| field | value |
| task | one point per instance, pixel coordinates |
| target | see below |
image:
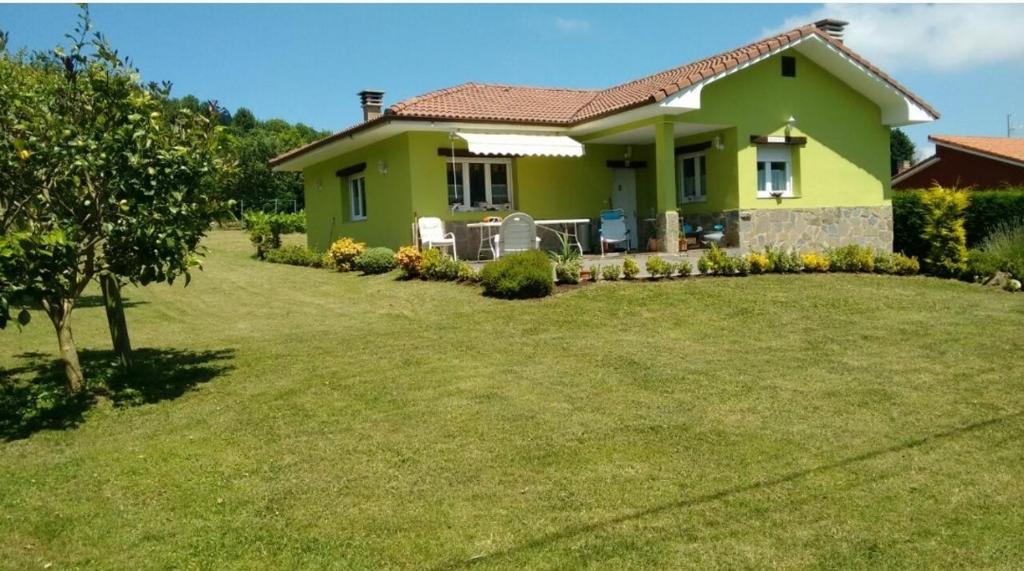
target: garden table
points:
(568, 230)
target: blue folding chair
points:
(613, 229)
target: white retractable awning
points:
(522, 145)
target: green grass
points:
(294, 417)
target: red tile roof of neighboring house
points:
(1002, 147)
(567, 107)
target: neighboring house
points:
(975, 162)
(786, 140)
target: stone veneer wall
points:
(804, 229)
(817, 228)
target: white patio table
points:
(569, 230)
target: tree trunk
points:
(59, 315)
(115, 319)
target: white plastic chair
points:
(432, 234)
(613, 229)
(518, 233)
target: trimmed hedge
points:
(518, 276)
(988, 210)
(991, 209)
(295, 256)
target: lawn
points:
(291, 417)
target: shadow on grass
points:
(685, 503)
(33, 397)
(84, 301)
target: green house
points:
(784, 141)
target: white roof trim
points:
(522, 145)
(901, 176)
(396, 126)
(897, 109)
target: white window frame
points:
(702, 193)
(357, 185)
(463, 163)
(769, 154)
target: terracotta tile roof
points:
(1002, 147)
(568, 107)
(502, 103)
(657, 87)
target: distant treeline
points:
(253, 142)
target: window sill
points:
(694, 200)
(767, 196)
(363, 219)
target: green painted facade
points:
(844, 163)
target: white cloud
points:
(571, 25)
(943, 37)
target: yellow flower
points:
(24, 154)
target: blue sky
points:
(306, 62)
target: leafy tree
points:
(244, 121)
(901, 149)
(253, 143)
(100, 181)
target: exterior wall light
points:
(717, 143)
(382, 167)
(790, 123)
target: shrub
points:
(658, 268)
(611, 273)
(905, 265)
(713, 260)
(851, 258)
(376, 261)
(265, 229)
(741, 264)
(262, 233)
(344, 253)
(409, 260)
(943, 229)
(1012, 285)
(295, 256)
(595, 271)
(908, 223)
(568, 271)
(467, 274)
(517, 276)
(684, 268)
(758, 263)
(884, 263)
(896, 264)
(782, 261)
(438, 266)
(726, 265)
(814, 262)
(991, 209)
(982, 265)
(630, 269)
(1001, 251)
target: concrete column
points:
(665, 187)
